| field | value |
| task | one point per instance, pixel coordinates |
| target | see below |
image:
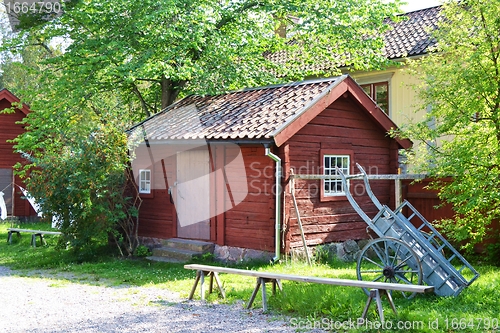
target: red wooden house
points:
(206, 165)
(9, 129)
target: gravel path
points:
(30, 304)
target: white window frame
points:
(329, 169)
(144, 182)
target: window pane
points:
(335, 187)
(382, 96)
(144, 181)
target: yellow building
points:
(392, 88)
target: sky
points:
(420, 4)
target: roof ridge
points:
(291, 84)
(418, 10)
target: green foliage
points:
(119, 61)
(142, 251)
(460, 134)
(205, 258)
(83, 184)
(151, 51)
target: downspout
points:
(277, 213)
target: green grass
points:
(310, 305)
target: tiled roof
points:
(247, 114)
(408, 37)
(411, 36)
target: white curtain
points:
(3, 207)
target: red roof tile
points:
(247, 114)
(265, 113)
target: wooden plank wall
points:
(425, 200)
(157, 213)
(342, 126)
(250, 224)
(8, 131)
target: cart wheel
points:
(389, 260)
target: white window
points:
(145, 181)
(334, 187)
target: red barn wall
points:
(250, 224)
(8, 131)
(156, 218)
(341, 127)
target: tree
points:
(124, 60)
(461, 131)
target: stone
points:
(351, 246)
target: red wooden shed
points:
(9, 129)
(206, 165)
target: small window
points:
(379, 92)
(334, 187)
(145, 181)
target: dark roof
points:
(408, 37)
(411, 36)
(258, 113)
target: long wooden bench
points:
(34, 234)
(376, 288)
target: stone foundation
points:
(151, 242)
(347, 251)
(221, 253)
(238, 254)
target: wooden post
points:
(399, 191)
(292, 189)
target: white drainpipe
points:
(277, 216)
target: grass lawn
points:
(476, 309)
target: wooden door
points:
(192, 194)
(6, 179)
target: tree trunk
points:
(170, 90)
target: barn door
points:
(192, 200)
(6, 187)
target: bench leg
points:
(219, 284)
(211, 284)
(202, 285)
(277, 282)
(254, 293)
(42, 240)
(33, 240)
(391, 302)
(262, 282)
(264, 295)
(193, 290)
(9, 237)
(375, 294)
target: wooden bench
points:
(34, 234)
(376, 288)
